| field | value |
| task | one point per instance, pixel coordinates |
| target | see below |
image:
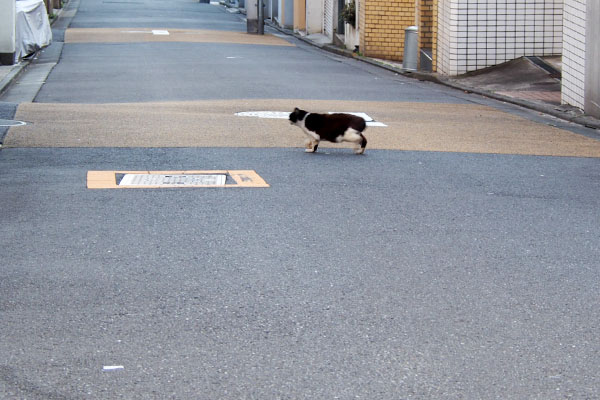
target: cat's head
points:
(297, 115)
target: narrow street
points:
(456, 259)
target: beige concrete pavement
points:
(411, 126)
(133, 35)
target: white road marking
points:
(264, 114)
(285, 115)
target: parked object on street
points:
(337, 128)
(33, 30)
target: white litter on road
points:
(10, 122)
(112, 367)
(159, 32)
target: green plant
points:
(348, 13)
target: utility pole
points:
(261, 17)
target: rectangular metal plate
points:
(173, 179)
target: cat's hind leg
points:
(354, 136)
(360, 149)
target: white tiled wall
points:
(474, 34)
(573, 67)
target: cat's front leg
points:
(311, 145)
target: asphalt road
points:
(425, 269)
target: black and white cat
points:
(335, 128)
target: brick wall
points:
(382, 24)
(434, 44)
(427, 22)
(574, 46)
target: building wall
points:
(314, 16)
(382, 24)
(286, 13)
(434, 43)
(7, 32)
(474, 34)
(328, 12)
(592, 65)
(573, 65)
(425, 24)
(426, 20)
(299, 15)
(447, 57)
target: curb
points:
(555, 111)
(12, 76)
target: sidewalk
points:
(9, 73)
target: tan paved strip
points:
(411, 126)
(132, 35)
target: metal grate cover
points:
(172, 180)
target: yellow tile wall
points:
(382, 24)
(427, 19)
(434, 33)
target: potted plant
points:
(348, 13)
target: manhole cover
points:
(10, 122)
(172, 180)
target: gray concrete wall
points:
(7, 32)
(289, 13)
(592, 59)
(285, 13)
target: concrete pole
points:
(261, 17)
(255, 20)
(592, 59)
